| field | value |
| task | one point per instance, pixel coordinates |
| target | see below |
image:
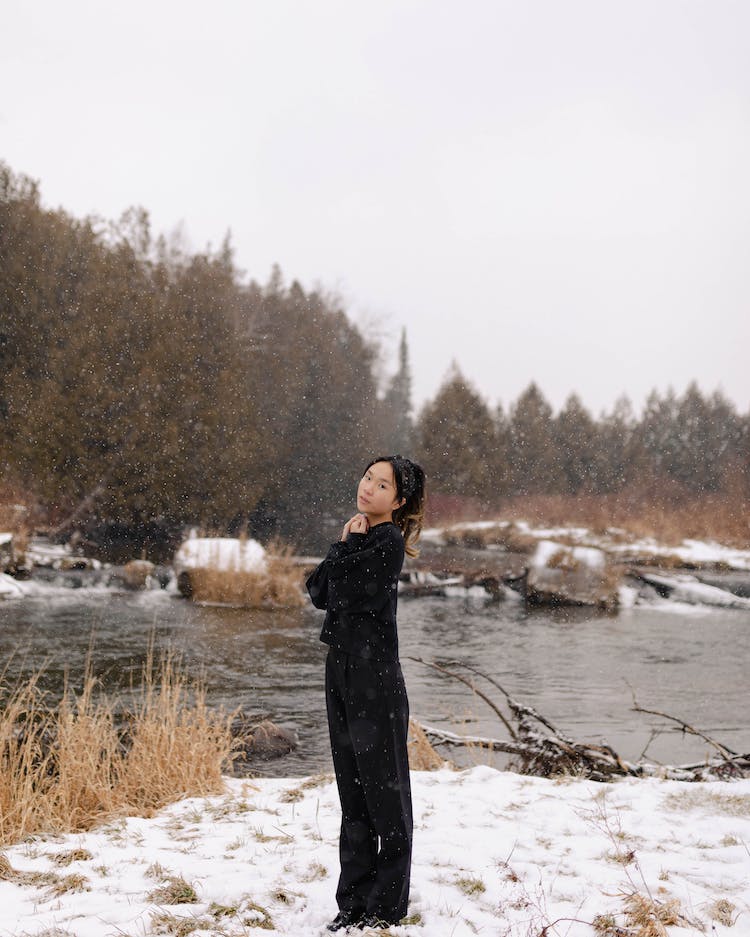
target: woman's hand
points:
(359, 524)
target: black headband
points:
(408, 476)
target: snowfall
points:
(495, 853)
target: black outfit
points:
(368, 719)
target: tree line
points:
(143, 385)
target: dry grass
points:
(279, 586)
(18, 515)
(69, 768)
(506, 535)
(663, 511)
(651, 918)
(723, 912)
(422, 756)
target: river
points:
(575, 665)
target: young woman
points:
(368, 710)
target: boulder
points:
(261, 740)
(559, 574)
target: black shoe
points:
(345, 918)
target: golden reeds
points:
(64, 769)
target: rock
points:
(262, 740)
(136, 573)
(66, 563)
(559, 574)
(682, 587)
(7, 553)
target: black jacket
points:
(357, 584)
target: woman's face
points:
(376, 493)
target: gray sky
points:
(556, 191)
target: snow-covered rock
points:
(220, 553)
(562, 574)
(9, 588)
(682, 587)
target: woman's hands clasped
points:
(359, 524)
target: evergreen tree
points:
(397, 415)
(576, 441)
(532, 445)
(457, 441)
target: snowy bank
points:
(494, 853)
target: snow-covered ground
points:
(494, 853)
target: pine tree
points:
(397, 411)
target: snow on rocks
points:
(682, 587)
(494, 853)
(10, 588)
(561, 573)
(221, 553)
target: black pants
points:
(368, 719)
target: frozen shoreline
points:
(494, 853)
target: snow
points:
(9, 588)
(5, 538)
(222, 553)
(494, 853)
(586, 556)
(686, 588)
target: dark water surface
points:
(576, 666)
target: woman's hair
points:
(410, 485)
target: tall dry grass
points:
(641, 513)
(67, 768)
(278, 586)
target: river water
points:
(575, 666)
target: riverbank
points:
(494, 853)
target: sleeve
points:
(361, 579)
(317, 581)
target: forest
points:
(145, 387)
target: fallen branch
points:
(550, 752)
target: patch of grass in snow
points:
(222, 910)
(315, 872)
(471, 885)
(229, 807)
(605, 925)
(175, 890)
(254, 915)
(292, 795)
(69, 883)
(317, 780)
(157, 871)
(722, 911)
(263, 837)
(51, 932)
(649, 916)
(236, 844)
(162, 922)
(71, 855)
(622, 856)
(696, 798)
(102, 870)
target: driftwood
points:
(541, 749)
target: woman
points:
(366, 702)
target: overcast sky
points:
(554, 191)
